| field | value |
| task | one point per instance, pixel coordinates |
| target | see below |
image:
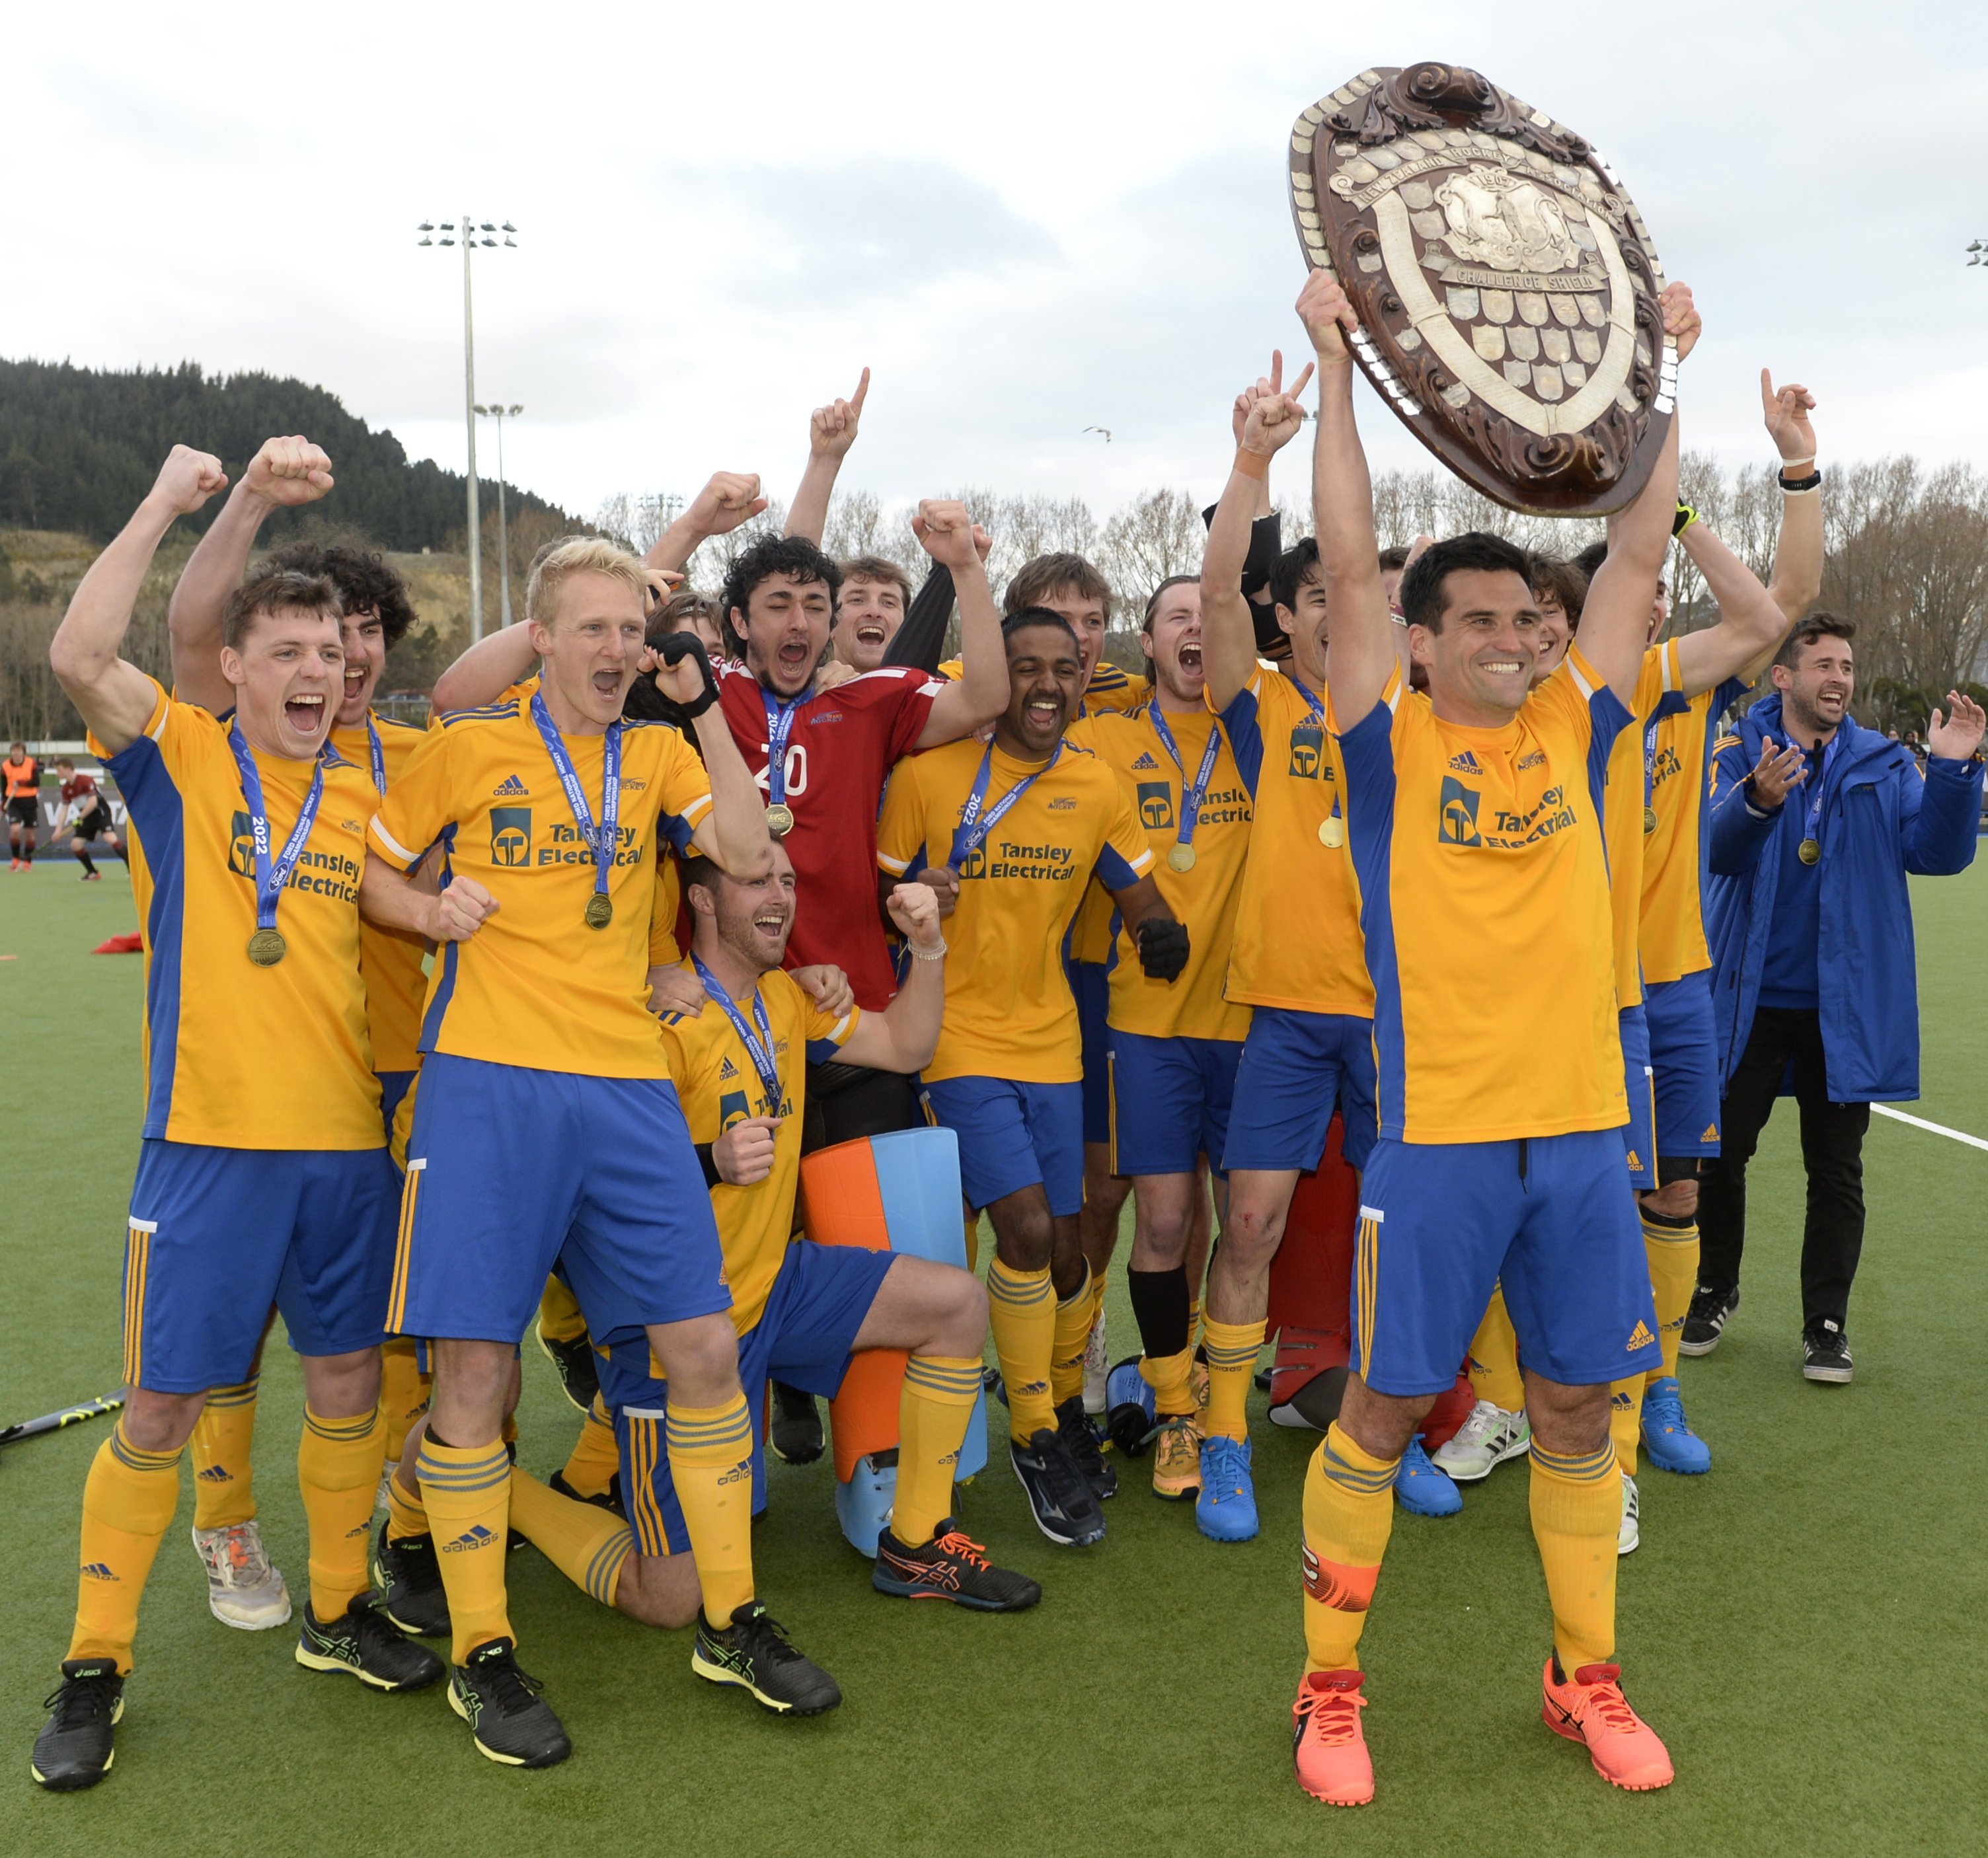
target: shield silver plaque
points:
(1506, 285)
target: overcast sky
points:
(1027, 219)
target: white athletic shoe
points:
(1630, 1536)
(1483, 1442)
(1097, 1366)
(242, 1589)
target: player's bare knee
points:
(342, 1386)
(1570, 1422)
(1381, 1424)
(153, 1421)
(700, 1357)
(961, 1327)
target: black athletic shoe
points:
(755, 1653)
(1706, 1317)
(368, 1644)
(949, 1567)
(609, 1499)
(408, 1577)
(1080, 1439)
(74, 1750)
(1060, 1499)
(1825, 1353)
(579, 1373)
(796, 1425)
(508, 1721)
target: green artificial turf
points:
(1805, 1625)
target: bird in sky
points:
(1105, 430)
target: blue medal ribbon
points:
(1190, 797)
(759, 1047)
(972, 832)
(779, 728)
(379, 757)
(601, 841)
(272, 874)
(1813, 833)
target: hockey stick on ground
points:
(68, 1416)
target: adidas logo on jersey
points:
(1635, 1162)
(511, 787)
(1466, 763)
(470, 1538)
(727, 1070)
(1535, 759)
(1145, 760)
(1640, 1337)
(215, 1474)
(1711, 1132)
(96, 1570)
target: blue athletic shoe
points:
(1225, 1511)
(1667, 1434)
(1130, 1414)
(1422, 1488)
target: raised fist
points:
(187, 479)
(288, 472)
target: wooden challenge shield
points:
(1505, 285)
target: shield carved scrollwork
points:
(1506, 284)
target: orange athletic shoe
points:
(1626, 1750)
(1328, 1748)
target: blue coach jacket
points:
(1880, 819)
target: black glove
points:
(672, 648)
(1162, 948)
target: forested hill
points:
(79, 447)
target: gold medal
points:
(779, 819)
(1649, 819)
(599, 911)
(1332, 832)
(266, 948)
(1809, 851)
(1181, 858)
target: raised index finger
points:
(862, 389)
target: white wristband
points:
(928, 955)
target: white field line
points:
(1938, 1129)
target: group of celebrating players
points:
(532, 1015)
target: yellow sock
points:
(1494, 1358)
(1672, 1252)
(1349, 1511)
(1022, 1304)
(224, 1480)
(587, 1543)
(1170, 1377)
(595, 1457)
(1232, 1361)
(711, 1455)
(403, 1392)
(560, 1319)
(406, 1513)
(1625, 1414)
(933, 1410)
(972, 1223)
(128, 1500)
(338, 1471)
(1577, 1505)
(1100, 1281)
(1067, 1340)
(467, 1492)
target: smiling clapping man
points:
(1008, 835)
(252, 837)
